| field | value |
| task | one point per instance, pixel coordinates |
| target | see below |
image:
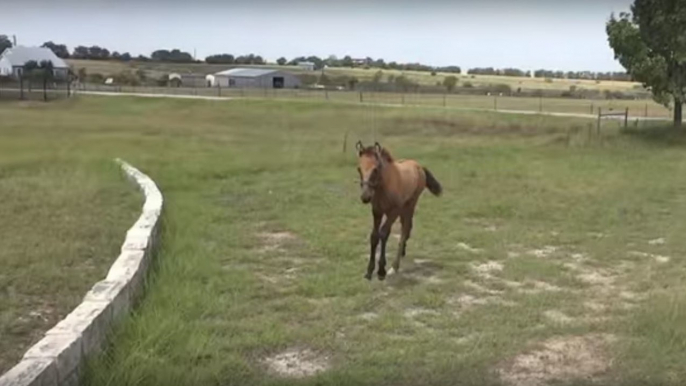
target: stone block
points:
(64, 349)
(135, 243)
(91, 320)
(130, 267)
(113, 292)
(31, 372)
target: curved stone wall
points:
(58, 358)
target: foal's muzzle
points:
(367, 192)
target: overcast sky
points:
(550, 34)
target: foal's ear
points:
(359, 146)
(377, 147)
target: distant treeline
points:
(551, 74)
(178, 56)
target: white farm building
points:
(13, 59)
(255, 78)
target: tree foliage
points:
(173, 56)
(650, 42)
(5, 43)
(450, 82)
(92, 53)
(60, 50)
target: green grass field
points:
(554, 256)
(64, 217)
(156, 70)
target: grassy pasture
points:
(552, 256)
(63, 220)
(156, 70)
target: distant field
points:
(156, 70)
(637, 108)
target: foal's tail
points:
(432, 183)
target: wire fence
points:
(34, 90)
(636, 108)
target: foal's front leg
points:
(374, 242)
(385, 232)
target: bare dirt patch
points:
(558, 317)
(536, 286)
(468, 248)
(369, 316)
(560, 359)
(544, 251)
(658, 241)
(658, 258)
(598, 278)
(487, 267)
(275, 241)
(297, 363)
(479, 288)
(412, 312)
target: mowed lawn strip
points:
(553, 256)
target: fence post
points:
(626, 117)
(645, 113)
(444, 96)
(219, 89)
(495, 103)
(361, 99)
(540, 104)
(326, 94)
(600, 111)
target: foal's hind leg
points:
(406, 222)
(385, 233)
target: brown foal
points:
(393, 188)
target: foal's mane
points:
(385, 154)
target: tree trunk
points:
(45, 89)
(678, 104)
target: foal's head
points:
(371, 161)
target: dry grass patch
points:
(560, 359)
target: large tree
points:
(60, 50)
(650, 42)
(5, 43)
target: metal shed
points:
(255, 78)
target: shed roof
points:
(19, 55)
(246, 72)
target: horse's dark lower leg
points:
(382, 258)
(407, 236)
(406, 223)
(374, 242)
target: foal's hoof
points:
(382, 275)
(368, 276)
